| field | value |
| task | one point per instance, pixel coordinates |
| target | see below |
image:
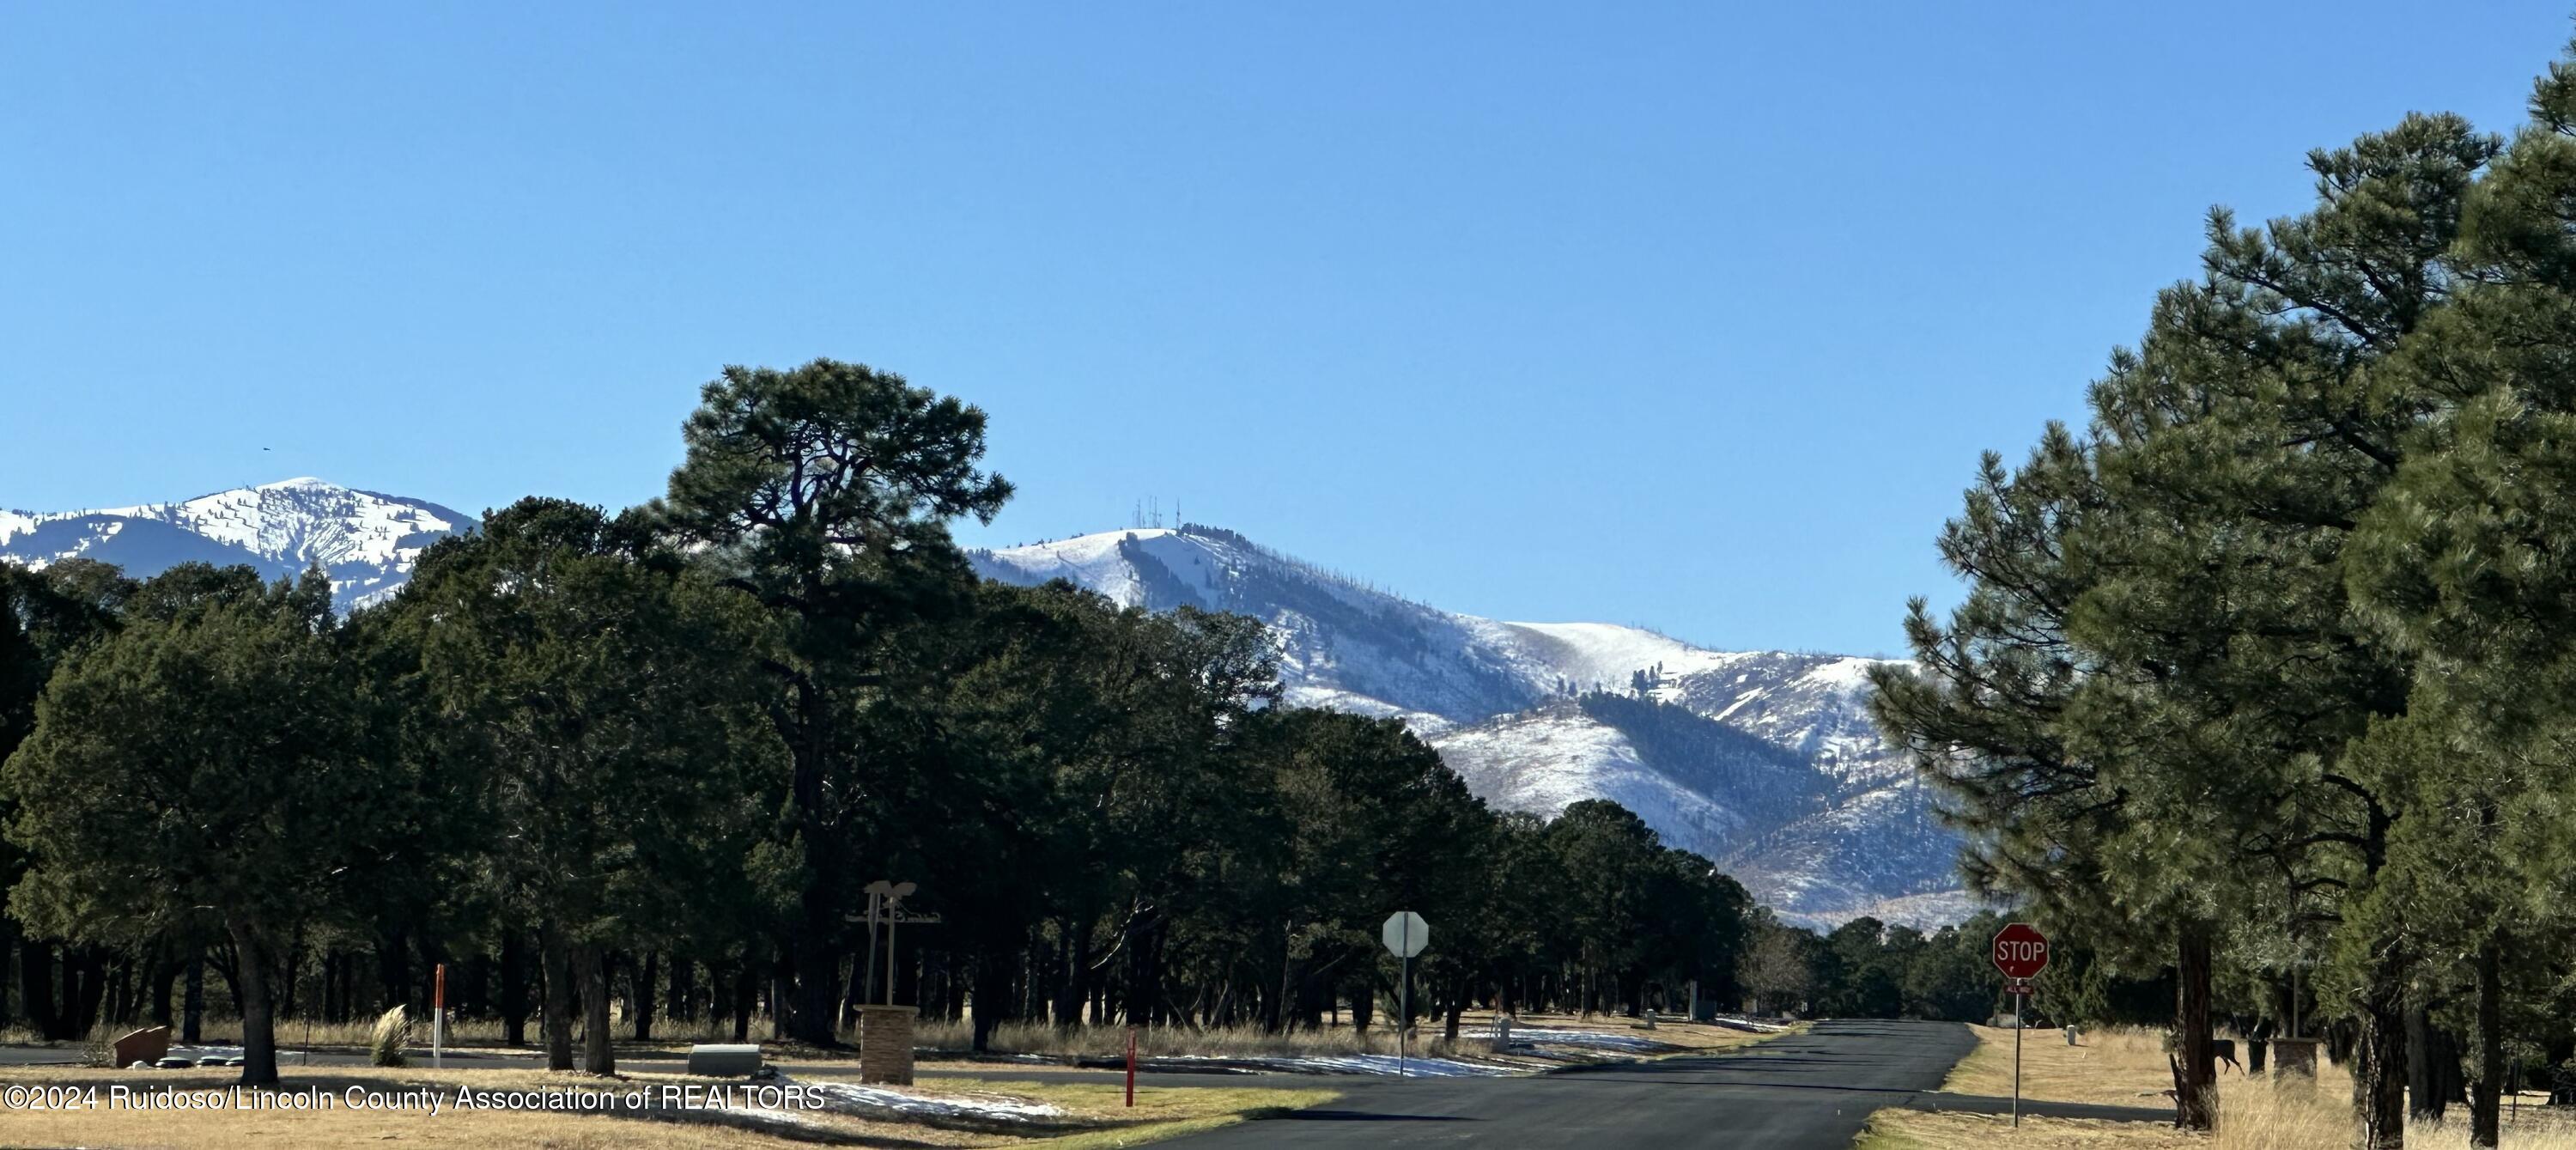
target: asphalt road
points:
(1810, 1092)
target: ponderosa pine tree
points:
(2462, 564)
(811, 486)
(1984, 713)
(2240, 446)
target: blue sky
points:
(1694, 316)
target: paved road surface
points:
(1806, 1092)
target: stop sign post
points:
(1405, 935)
(2020, 952)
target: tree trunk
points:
(2486, 1093)
(992, 991)
(559, 995)
(2196, 1074)
(164, 972)
(598, 1045)
(818, 919)
(680, 1006)
(2379, 1072)
(645, 976)
(259, 1024)
(36, 987)
(514, 986)
(2425, 1098)
(193, 1008)
(742, 991)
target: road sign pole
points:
(2019, 952)
(2021, 1022)
(1405, 934)
(1403, 1011)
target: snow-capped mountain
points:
(1765, 761)
(364, 541)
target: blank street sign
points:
(1405, 934)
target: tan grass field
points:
(1158, 1113)
(2127, 1068)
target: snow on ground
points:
(1745, 1022)
(1091, 561)
(1386, 1064)
(871, 1100)
(219, 1054)
(1543, 761)
(1605, 654)
(1636, 1043)
(303, 519)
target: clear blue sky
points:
(1691, 315)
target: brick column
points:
(885, 1044)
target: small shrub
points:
(392, 1035)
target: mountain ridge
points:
(1763, 761)
(364, 541)
(1502, 701)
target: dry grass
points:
(2127, 1068)
(1158, 1113)
(2119, 1067)
(392, 1036)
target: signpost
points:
(1405, 935)
(2020, 952)
(888, 893)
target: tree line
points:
(654, 756)
(2261, 680)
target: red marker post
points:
(1131, 1066)
(438, 1018)
(2020, 952)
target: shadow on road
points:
(1363, 1116)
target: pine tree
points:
(825, 492)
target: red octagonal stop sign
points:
(2021, 951)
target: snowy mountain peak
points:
(1764, 760)
(366, 542)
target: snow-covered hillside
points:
(364, 541)
(1763, 760)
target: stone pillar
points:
(885, 1044)
(2295, 1058)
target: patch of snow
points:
(1594, 1039)
(1545, 761)
(872, 1099)
(1385, 1064)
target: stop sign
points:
(2021, 951)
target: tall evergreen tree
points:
(824, 492)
